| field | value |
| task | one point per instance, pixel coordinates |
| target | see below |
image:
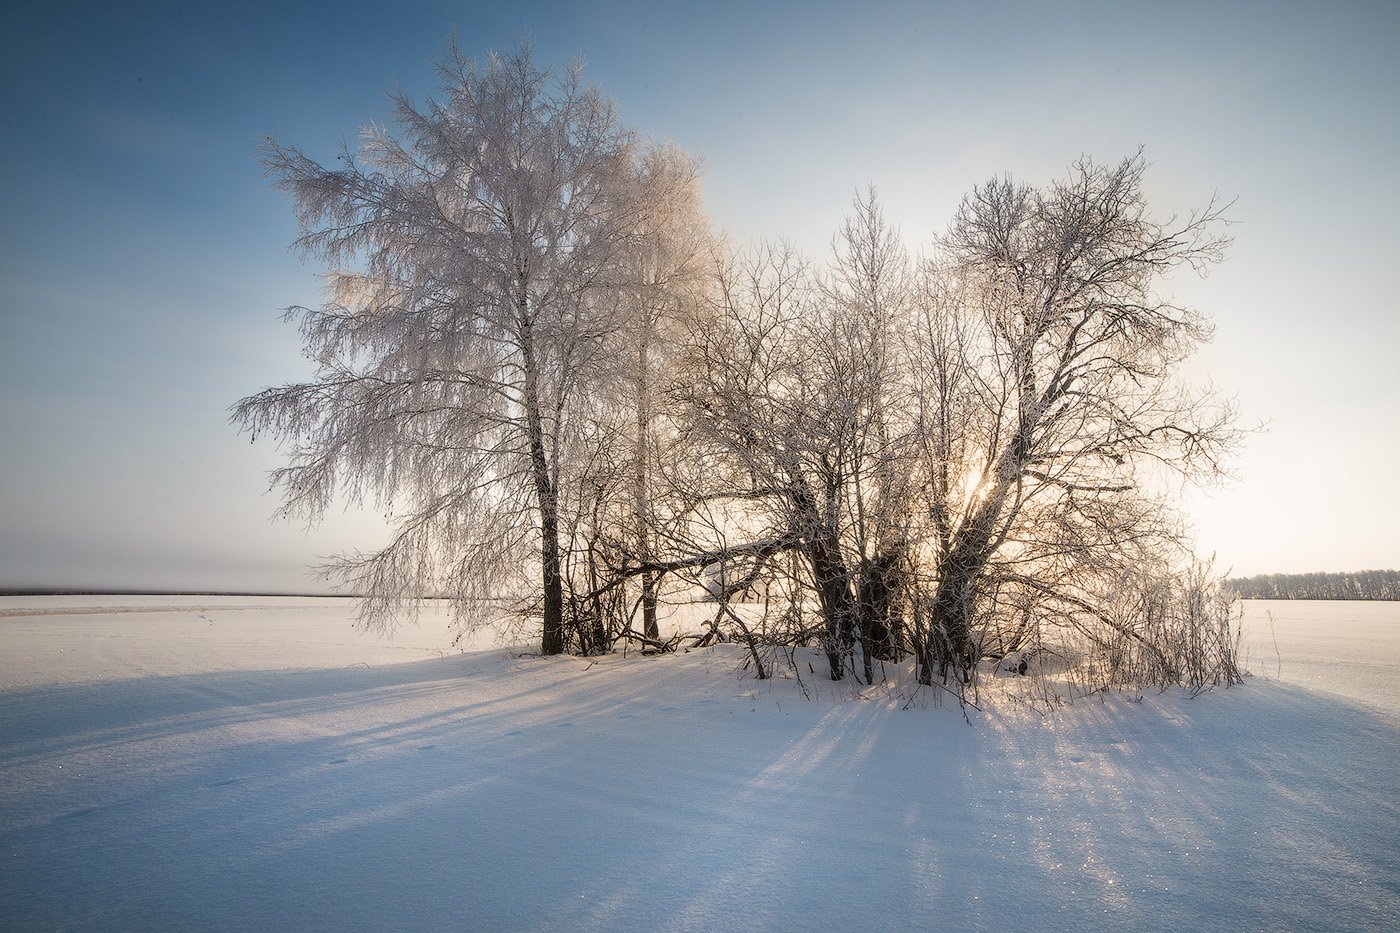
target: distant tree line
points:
(575, 400)
(1361, 584)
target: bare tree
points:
(471, 247)
(667, 271)
(788, 403)
(978, 456)
(532, 355)
(867, 291)
(1045, 361)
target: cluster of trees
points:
(574, 399)
(1362, 584)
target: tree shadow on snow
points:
(670, 793)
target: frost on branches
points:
(581, 408)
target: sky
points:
(144, 258)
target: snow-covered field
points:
(235, 763)
(1347, 648)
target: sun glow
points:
(973, 486)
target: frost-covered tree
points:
(1362, 584)
(788, 407)
(1046, 360)
(666, 274)
(474, 249)
(868, 293)
(533, 356)
(972, 457)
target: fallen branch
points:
(632, 634)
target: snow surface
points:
(1346, 647)
(249, 764)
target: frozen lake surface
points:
(240, 763)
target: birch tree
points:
(469, 245)
(667, 271)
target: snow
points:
(244, 764)
(1349, 648)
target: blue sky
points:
(143, 257)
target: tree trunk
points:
(551, 579)
(948, 631)
(833, 581)
(641, 480)
(649, 625)
(951, 635)
(880, 621)
(834, 592)
(960, 575)
(552, 640)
